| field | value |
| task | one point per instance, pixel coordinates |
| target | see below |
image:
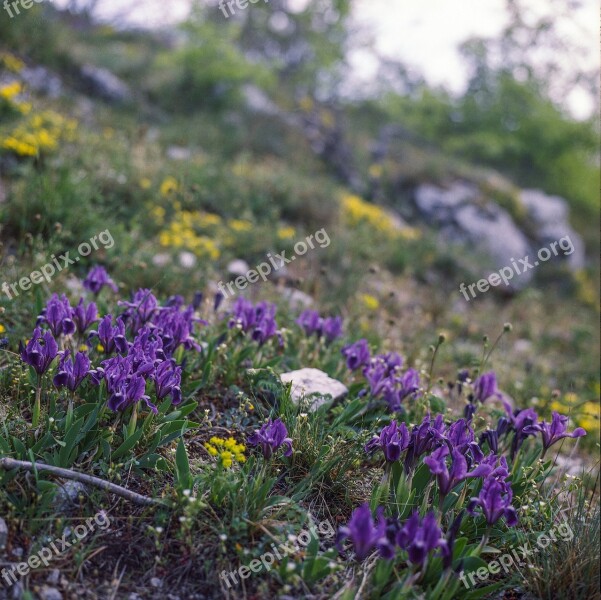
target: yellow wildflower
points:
(370, 302)
(286, 233)
(11, 62)
(2, 328)
(169, 186)
(145, 183)
(239, 225)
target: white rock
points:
(306, 382)
(179, 153)
(238, 267)
(161, 259)
(297, 299)
(187, 259)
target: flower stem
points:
(37, 407)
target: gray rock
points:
(493, 230)
(438, 204)
(50, 593)
(101, 82)
(296, 299)
(238, 267)
(465, 217)
(54, 577)
(68, 494)
(156, 582)
(179, 153)
(306, 382)
(550, 219)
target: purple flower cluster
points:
(62, 319)
(126, 376)
(129, 367)
(258, 320)
(417, 536)
(98, 278)
(383, 374)
(329, 328)
(270, 437)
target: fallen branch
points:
(10, 463)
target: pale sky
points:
(423, 34)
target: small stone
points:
(156, 582)
(313, 385)
(50, 593)
(187, 260)
(54, 577)
(238, 267)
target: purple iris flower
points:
(485, 386)
(356, 354)
(97, 278)
(521, 420)
(71, 373)
(265, 329)
(447, 478)
(376, 373)
(409, 383)
(40, 351)
(176, 328)
(424, 437)
(491, 437)
(129, 392)
(420, 536)
(140, 310)
(270, 437)
(495, 502)
(58, 316)
(217, 301)
(554, 431)
(332, 328)
(393, 440)
(460, 435)
(125, 386)
(167, 379)
(310, 322)
(257, 319)
(112, 338)
(365, 534)
(84, 316)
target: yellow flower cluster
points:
(182, 231)
(226, 450)
(9, 93)
(286, 233)
(11, 62)
(239, 225)
(40, 133)
(169, 186)
(2, 328)
(356, 211)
